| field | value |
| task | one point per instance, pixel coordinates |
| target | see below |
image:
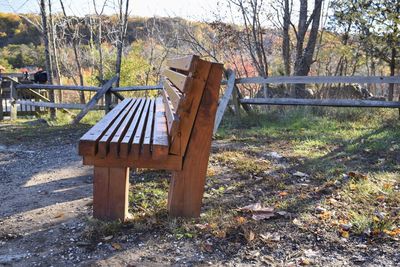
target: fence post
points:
(1, 103)
(13, 98)
(236, 103)
(108, 100)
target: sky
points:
(190, 9)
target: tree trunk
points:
(122, 34)
(392, 72)
(286, 39)
(75, 49)
(49, 67)
(304, 56)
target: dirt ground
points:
(45, 217)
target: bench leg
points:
(110, 193)
(187, 186)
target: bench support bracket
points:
(187, 186)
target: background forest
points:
(255, 38)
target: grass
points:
(350, 158)
(329, 146)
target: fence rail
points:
(232, 92)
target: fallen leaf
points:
(206, 246)
(344, 234)
(220, 234)
(324, 215)
(352, 187)
(283, 193)
(241, 220)
(380, 198)
(305, 261)
(116, 246)
(309, 253)
(392, 232)
(249, 235)
(270, 237)
(59, 215)
(256, 207)
(387, 186)
(297, 222)
(202, 226)
(358, 175)
(262, 216)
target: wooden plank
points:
(103, 145)
(88, 88)
(125, 145)
(118, 193)
(139, 134)
(88, 142)
(322, 102)
(320, 79)
(181, 81)
(160, 132)
(123, 128)
(147, 140)
(171, 162)
(182, 63)
(224, 100)
(170, 114)
(107, 101)
(1, 104)
(187, 186)
(92, 102)
(193, 96)
(173, 93)
(56, 105)
(13, 99)
(58, 87)
(137, 88)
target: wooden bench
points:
(171, 132)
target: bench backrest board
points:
(184, 83)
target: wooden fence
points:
(231, 94)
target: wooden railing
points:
(231, 92)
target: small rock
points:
(300, 174)
(346, 226)
(320, 209)
(274, 155)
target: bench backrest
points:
(184, 83)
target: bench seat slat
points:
(129, 135)
(160, 132)
(147, 140)
(104, 143)
(118, 136)
(88, 142)
(139, 134)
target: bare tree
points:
(304, 54)
(73, 31)
(253, 34)
(100, 37)
(123, 24)
(49, 67)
